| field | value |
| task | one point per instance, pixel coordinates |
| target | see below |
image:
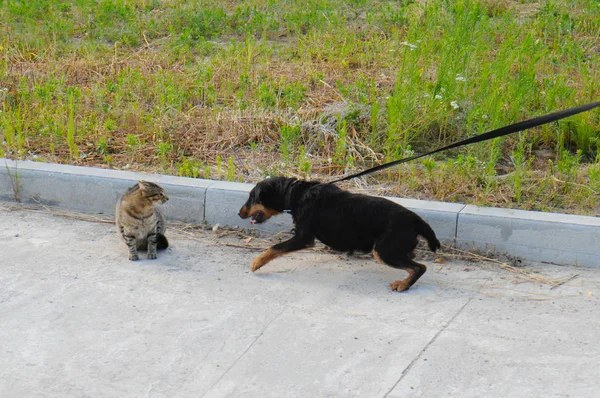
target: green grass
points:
(241, 90)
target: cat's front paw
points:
(133, 257)
(151, 256)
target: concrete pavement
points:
(79, 319)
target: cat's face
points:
(152, 192)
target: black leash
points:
(506, 130)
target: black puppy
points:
(343, 221)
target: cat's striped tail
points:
(161, 242)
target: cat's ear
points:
(143, 186)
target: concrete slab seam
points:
(245, 351)
(456, 226)
(433, 339)
(204, 203)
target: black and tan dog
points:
(343, 221)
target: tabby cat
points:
(139, 222)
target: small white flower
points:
(454, 104)
(407, 44)
(438, 96)
(460, 79)
(329, 160)
(484, 116)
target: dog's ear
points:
(255, 194)
(262, 193)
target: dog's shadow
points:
(357, 273)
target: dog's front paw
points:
(151, 256)
(257, 263)
(133, 257)
(264, 258)
(399, 286)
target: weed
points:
(293, 95)
(430, 165)
(133, 142)
(190, 168)
(163, 150)
(520, 163)
(14, 181)
(71, 130)
(593, 173)
(288, 138)
(568, 164)
(219, 164)
(304, 165)
(374, 103)
(230, 169)
(267, 96)
(110, 124)
(340, 143)
(102, 146)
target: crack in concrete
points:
(244, 353)
(433, 339)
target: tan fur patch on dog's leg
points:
(414, 269)
(377, 258)
(265, 257)
(402, 285)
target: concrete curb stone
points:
(532, 236)
(96, 190)
(543, 237)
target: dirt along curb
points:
(530, 236)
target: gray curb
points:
(532, 236)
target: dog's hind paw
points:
(399, 286)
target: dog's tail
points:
(425, 231)
(161, 242)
